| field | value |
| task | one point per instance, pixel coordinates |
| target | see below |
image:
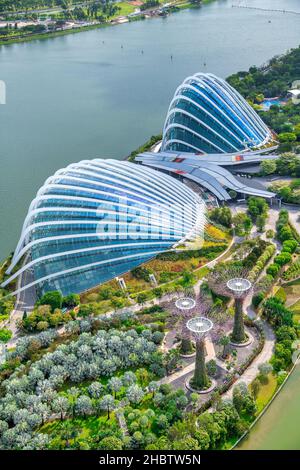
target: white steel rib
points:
(243, 123)
(94, 219)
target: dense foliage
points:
(31, 394)
(281, 318)
(274, 80)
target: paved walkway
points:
(211, 354)
(264, 356)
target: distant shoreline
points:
(52, 34)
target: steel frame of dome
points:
(80, 228)
(207, 115)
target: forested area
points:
(273, 79)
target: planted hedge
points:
(261, 262)
(205, 252)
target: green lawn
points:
(280, 293)
(292, 291)
(89, 427)
(296, 311)
(125, 9)
(265, 393)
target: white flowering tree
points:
(107, 403)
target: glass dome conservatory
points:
(97, 219)
(207, 115)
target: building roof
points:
(213, 177)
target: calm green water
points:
(279, 427)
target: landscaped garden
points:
(90, 381)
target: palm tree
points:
(68, 431)
(67, 7)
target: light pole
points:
(199, 327)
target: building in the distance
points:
(98, 219)
(213, 138)
(207, 115)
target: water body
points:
(278, 429)
(83, 95)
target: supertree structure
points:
(187, 307)
(199, 327)
(231, 281)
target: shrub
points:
(52, 298)
(5, 335)
(273, 270)
(257, 299)
(283, 258)
(289, 246)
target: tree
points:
(283, 258)
(232, 194)
(261, 222)
(115, 384)
(212, 368)
(153, 387)
(84, 405)
(276, 313)
(142, 298)
(71, 300)
(73, 394)
(162, 421)
(187, 443)
(203, 439)
(188, 279)
(110, 443)
(224, 341)
(95, 389)
(135, 393)
(171, 359)
(273, 269)
(52, 298)
(286, 333)
(221, 215)
(289, 246)
(257, 299)
(287, 137)
(256, 206)
(61, 405)
(68, 431)
(128, 378)
(5, 335)
(242, 223)
(107, 403)
(268, 167)
(264, 370)
(242, 400)
(255, 388)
